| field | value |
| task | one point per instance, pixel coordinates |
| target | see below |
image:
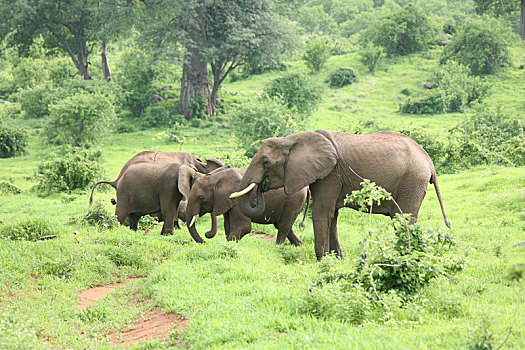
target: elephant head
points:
(187, 177)
(205, 193)
(292, 162)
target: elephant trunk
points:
(213, 231)
(193, 230)
(246, 207)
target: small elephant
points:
(210, 194)
(160, 160)
(334, 164)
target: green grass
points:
(251, 294)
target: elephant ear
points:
(226, 185)
(312, 157)
(186, 177)
(213, 164)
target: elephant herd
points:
(279, 179)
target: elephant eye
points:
(201, 197)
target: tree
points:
(73, 26)
(223, 34)
(502, 7)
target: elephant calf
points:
(210, 194)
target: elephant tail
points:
(112, 183)
(308, 194)
(433, 180)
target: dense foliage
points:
(481, 44)
(297, 91)
(13, 141)
(341, 77)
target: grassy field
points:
(253, 294)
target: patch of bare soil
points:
(264, 236)
(89, 296)
(154, 325)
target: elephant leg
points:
(134, 221)
(227, 224)
(409, 197)
(240, 224)
(325, 194)
(121, 214)
(334, 239)
(294, 239)
(281, 235)
(169, 215)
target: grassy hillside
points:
(253, 294)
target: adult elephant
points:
(334, 164)
(210, 194)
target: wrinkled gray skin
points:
(326, 161)
(159, 161)
(210, 194)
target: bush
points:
(8, 188)
(481, 44)
(316, 54)
(80, 120)
(255, 121)
(341, 77)
(405, 31)
(297, 91)
(371, 55)
(77, 170)
(162, 113)
(488, 137)
(35, 101)
(98, 216)
(430, 104)
(28, 230)
(458, 88)
(10, 111)
(136, 79)
(13, 141)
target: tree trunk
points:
(522, 21)
(195, 81)
(105, 64)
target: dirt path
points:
(153, 325)
(264, 236)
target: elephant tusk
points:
(243, 192)
(192, 221)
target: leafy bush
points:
(458, 88)
(488, 137)
(136, 79)
(235, 156)
(80, 120)
(405, 31)
(28, 230)
(316, 54)
(78, 169)
(430, 104)
(13, 141)
(297, 91)
(10, 111)
(481, 44)
(255, 121)
(8, 188)
(162, 113)
(371, 55)
(35, 100)
(341, 77)
(197, 107)
(98, 216)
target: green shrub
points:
(80, 120)
(98, 216)
(481, 44)
(457, 88)
(28, 230)
(35, 100)
(8, 188)
(136, 79)
(10, 111)
(317, 53)
(13, 141)
(370, 56)
(255, 121)
(234, 156)
(404, 31)
(297, 91)
(162, 113)
(341, 77)
(430, 104)
(488, 137)
(77, 170)
(197, 107)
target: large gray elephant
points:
(159, 161)
(210, 194)
(333, 164)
